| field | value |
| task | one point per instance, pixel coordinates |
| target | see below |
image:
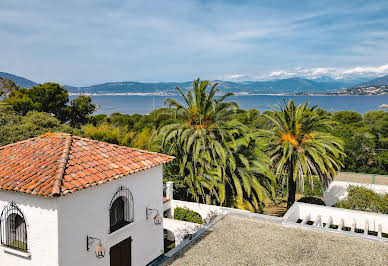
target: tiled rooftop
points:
(56, 164)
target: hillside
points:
(291, 85)
(378, 86)
(279, 86)
(376, 82)
(363, 90)
(26, 83)
(296, 85)
(20, 81)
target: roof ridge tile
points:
(62, 166)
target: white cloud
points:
(314, 73)
(335, 73)
(367, 70)
(233, 77)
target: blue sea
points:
(130, 104)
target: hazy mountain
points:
(348, 81)
(20, 81)
(26, 83)
(377, 81)
(290, 85)
(295, 85)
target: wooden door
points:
(120, 254)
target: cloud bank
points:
(314, 73)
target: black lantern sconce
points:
(100, 250)
(157, 217)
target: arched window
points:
(121, 209)
(13, 227)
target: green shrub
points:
(364, 199)
(312, 200)
(313, 188)
(187, 215)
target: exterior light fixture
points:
(157, 217)
(100, 250)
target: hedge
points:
(187, 215)
(364, 199)
(312, 200)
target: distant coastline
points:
(144, 104)
(236, 94)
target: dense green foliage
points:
(124, 129)
(366, 140)
(14, 127)
(364, 199)
(217, 158)
(300, 148)
(51, 98)
(187, 215)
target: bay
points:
(130, 104)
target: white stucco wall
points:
(86, 212)
(204, 210)
(57, 228)
(337, 190)
(302, 211)
(42, 230)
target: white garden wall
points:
(87, 213)
(325, 214)
(203, 209)
(42, 230)
(337, 190)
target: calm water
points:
(145, 104)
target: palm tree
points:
(214, 154)
(248, 173)
(300, 148)
(196, 136)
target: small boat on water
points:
(384, 106)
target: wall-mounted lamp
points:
(157, 217)
(100, 250)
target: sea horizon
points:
(144, 104)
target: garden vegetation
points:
(363, 199)
(224, 155)
(187, 215)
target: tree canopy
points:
(51, 98)
(299, 146)
(214, 158)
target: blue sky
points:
(84, 42)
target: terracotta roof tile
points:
(56, 164)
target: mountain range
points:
(20, 81)
(375, 82)
(278, 86)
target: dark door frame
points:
(121, 249)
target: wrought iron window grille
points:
(13, 227)
(121, 210)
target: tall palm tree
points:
(196, 136)
(300, 147)
(214, 154)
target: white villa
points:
(70, 201)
